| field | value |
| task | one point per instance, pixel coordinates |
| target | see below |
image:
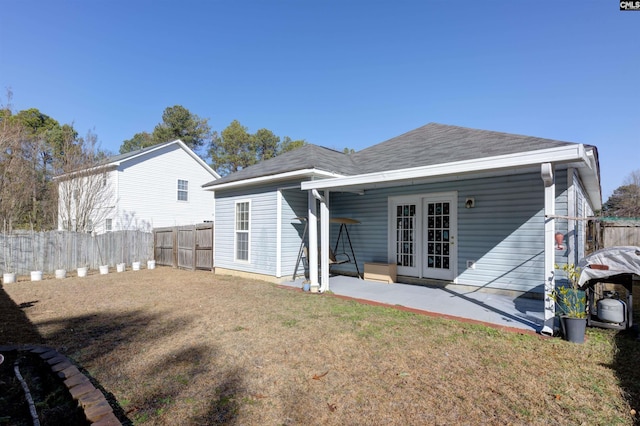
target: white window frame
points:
(237, 231)
(108, 225)
(183, 190)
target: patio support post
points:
(547, 174)
(324, 242)
(313, 240)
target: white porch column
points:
(279, 233)
(313, 240)
(324, 242)
(547, 174)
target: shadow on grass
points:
(97, 336)
(105, 341)
(177, 370)
(117, 345)
(224, 409)
(15, 327)
(625, 365)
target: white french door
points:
(422, 235)
(438, 237)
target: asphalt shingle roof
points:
(306, 157)
(439, 143)
(427, 145)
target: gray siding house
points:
(445, 204)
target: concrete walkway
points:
(519, 313)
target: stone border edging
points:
(96, 408)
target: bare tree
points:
(625, 200)
(85, 196)
(14, 170)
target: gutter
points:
(303, 173)
(563, 154)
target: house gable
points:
(155, 187)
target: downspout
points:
(547, 175)
(572, 211)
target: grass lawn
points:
(191, 348)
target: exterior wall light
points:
(470, 203)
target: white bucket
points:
(82, 272)
(61, 273)
(120, 267)
(36, 275)
(135, 266)
(151, 264)
(8, 277)
(104, 269)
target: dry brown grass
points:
(193, 348)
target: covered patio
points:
(520, 313)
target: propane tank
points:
(611, 310)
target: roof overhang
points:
(575, 155)
(85, 172)
(295, 174)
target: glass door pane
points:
(438, 242)
(405, 235)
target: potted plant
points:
(571, 303)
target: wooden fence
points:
(188, 247)
(22, 252)
(611, 232)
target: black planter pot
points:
(573, 328)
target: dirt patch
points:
(193, 348)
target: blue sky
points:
(335, 73)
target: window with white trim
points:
(183, 190)
(243, 210)
(108, 224)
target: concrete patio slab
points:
(519, 313)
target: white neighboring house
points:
(154, 187)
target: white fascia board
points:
(86, 172)
(304, 173)
(198, 159)
(146, 151)
(590, 177)
(555, 155)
